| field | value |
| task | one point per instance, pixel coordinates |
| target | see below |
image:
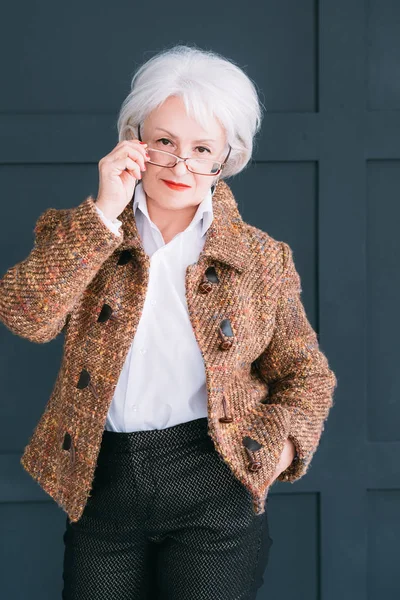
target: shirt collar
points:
(203, 213)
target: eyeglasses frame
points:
(181, 159)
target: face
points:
(169, 128)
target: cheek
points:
(202, 184)
(152, 176)
(153, 171)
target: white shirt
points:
(162, 382)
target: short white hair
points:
(210, 86)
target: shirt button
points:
(134, 407)
(142, 350)
(154, 302)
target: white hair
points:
(210, 86)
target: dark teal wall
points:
(325, 179)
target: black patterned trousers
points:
(166, 520)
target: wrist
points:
(106, 210)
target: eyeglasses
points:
(199, 166)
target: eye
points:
(163, 140)
(168, 142)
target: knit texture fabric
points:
(267, 379)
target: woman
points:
(191, 378)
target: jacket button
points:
(254, 465)
(251, 446)
(225, 345)
(225, 331)
(226, 418)
(106, 313)
(210, 276)
(85, 381)
(124, 257)
(205, 287)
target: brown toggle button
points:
(225, 331)
(106, 313)
(68, 444)
(125, 257)
(252, 445)
(84, 381)
(210, 276)
(226, 418)
(225, 345)
(205, 287)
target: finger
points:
(125, 154)
(134, 155)
(139, 158)
(121, 163)
(133, 168)
(137, 146)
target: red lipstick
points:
(176, 186)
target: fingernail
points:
(143, 143)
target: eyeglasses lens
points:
(202, 166)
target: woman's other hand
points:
(118, 173)
(287, 456)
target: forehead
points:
(176, 136)
(171, 118)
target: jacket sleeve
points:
(297, 372)
(38, 294)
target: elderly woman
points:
(191, 378)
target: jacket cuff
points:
(112, 225)
(86, 218)
(305, 433)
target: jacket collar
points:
(226, 239)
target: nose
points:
(180, 169)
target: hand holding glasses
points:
(119, 172)
(121, 169)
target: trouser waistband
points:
(155, 439)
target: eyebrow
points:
(175, 137)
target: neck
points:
(170, 222)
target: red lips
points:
(175, 184)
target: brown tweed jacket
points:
(267, 378)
